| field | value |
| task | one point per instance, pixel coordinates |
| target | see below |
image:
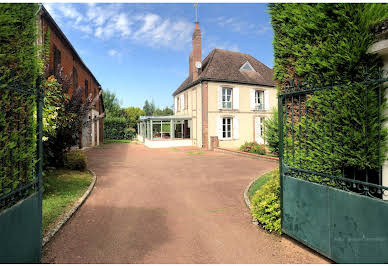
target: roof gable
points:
(223, 65)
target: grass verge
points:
(195, 152)
(117, 141)
(259, 183)
(62, 189)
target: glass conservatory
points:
(165, 131)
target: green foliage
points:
(54, 101)
(62, 189)
(76, 160)
(19, 69)
(259, 183)
(149, 107)
(327, 44)
(266, 204)
(116, 128)
(165, 111)
(111, 104)
(132, 115)
(253, 147)
(272, 132)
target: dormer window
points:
(247, 67)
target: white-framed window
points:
(178, 103)
(227, 98)
(259, 100)
(227, 127)
(262, 127)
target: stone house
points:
(223, 101)
(62, 54)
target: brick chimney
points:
(191, 64)
(197, 48)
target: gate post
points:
(280, 128)
(39, 153)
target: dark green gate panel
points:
(305, 213)
(20, 232)
(345, 227)
(360, 228)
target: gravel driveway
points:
(170, 206)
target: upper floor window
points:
(86, 88)
(75, 78)
(227, 98)
(259, 100)
(57, 59)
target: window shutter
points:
(186, 101)
(182, 101)
(252, 99)
(219, 127)
(266, 100)
(176, 104)
(236, 98)
(235, 128)
(219, 97)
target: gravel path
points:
(170, 206)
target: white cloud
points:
(112, 52)
(156, 31)
(107, 21)
(237, 25)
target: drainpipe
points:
(200, 85)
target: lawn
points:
(62, 189)
(117, 141)
(259, 183)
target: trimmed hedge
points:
(327, 44)
(18, 68)
(116, 128)
(266, 204)
(76, 160)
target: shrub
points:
(266, 204)
(253, 147)
(272, 132)
(76, 160)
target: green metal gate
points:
(328, 201)
(21, 174)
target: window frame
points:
(224, 128)
(259, 106)
(224, 96)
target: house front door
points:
(259, 130)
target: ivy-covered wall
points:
(327, 44)
(19, 69)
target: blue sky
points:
(140, 51)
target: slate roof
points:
(224, 66)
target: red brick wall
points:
(68, 61)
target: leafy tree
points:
(162, 112)
(149, 107)
(132, 115)
(111, 104)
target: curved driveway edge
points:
(170, 206)
(64, 218)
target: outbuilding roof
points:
(225, 66)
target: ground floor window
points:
(161, 129)
(227, 128)
(262, 127)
